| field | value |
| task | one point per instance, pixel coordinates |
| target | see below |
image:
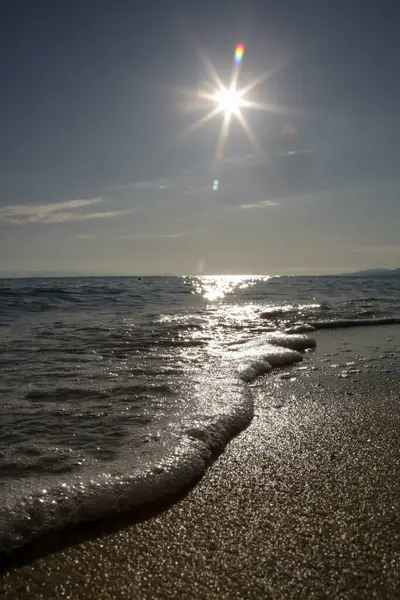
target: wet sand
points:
(303, 504)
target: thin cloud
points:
(153, 185)
(153, 236)
(187, 182)
(157, 184)
(68, 217)
(139, 185)
(60, 212)
(262, 204)
(394, 249)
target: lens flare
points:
(239, 51)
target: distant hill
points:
(373, 273)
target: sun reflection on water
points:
(216, 287)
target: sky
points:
(103, 172)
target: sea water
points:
(116, 392)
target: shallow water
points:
(117, 391)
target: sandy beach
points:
(302, 504)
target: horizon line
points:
(74, 275)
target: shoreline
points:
(303, 503)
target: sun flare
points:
(229, 101)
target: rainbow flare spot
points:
(239, 51)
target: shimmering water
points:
(117, 391)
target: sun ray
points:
(286, 111)
(219, 151)
(256, 82)
(270, 108)
(209, 67)
(250, 135)
(195, 126)
(235, 77)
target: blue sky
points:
(97, 176)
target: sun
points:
(229, 101)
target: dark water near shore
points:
(117, 391)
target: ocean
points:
(117, 392)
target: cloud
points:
(68, 217)
(261, 204)
(188, 181)
(168, 183)
(162, 185)
(158, 184)
(138, 185)
(392, 249)
(60, 212)
(153, 236)
(84, 236)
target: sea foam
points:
(220, 406)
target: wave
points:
(176, 455)
(187, 445)
(339, 323)
(288, 309)
(260, 356)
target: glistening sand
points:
(302, 504)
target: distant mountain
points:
(373, 273)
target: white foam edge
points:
(187, 448)
(260, 355)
